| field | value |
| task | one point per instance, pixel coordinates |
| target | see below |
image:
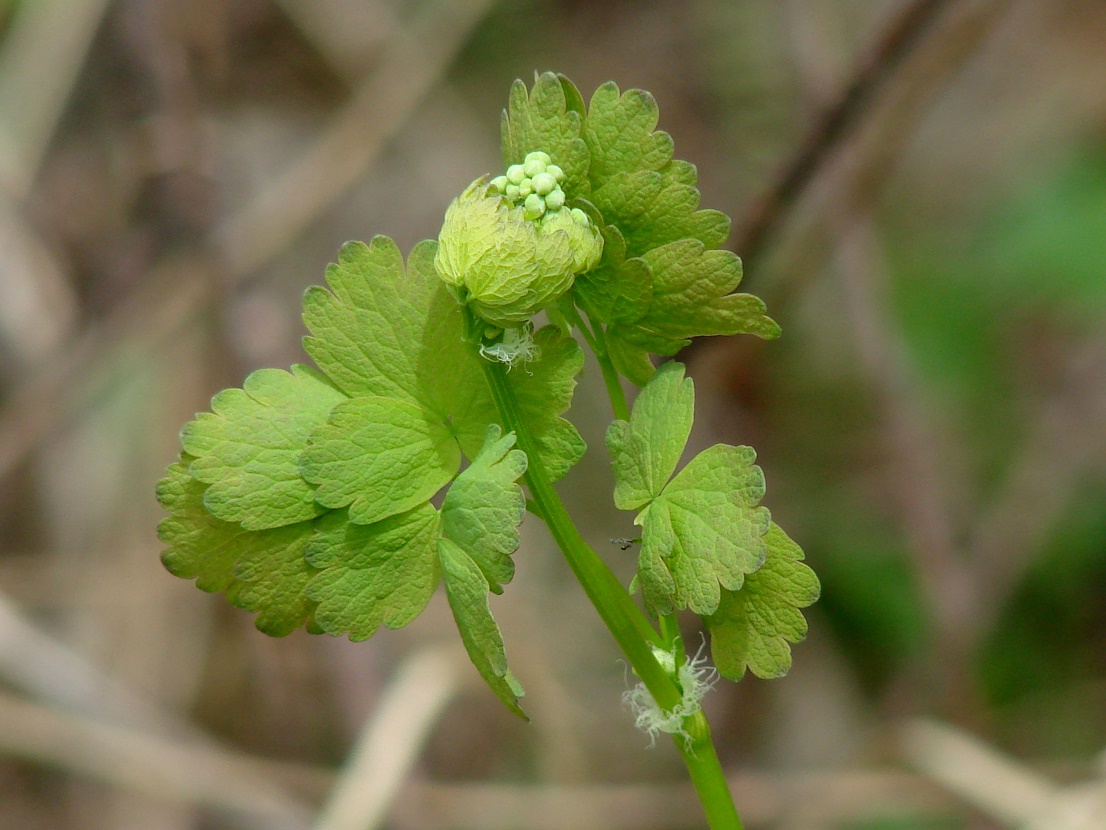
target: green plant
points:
(305, 495)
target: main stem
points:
(626, 622)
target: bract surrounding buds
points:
(509, 247)
(587, 244)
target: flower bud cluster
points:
(510, 247)
(535, 184)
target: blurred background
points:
(919, 193)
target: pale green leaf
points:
(386, 328)
(620, 135)
(373, 575)
(261, 571)
(616, 293)
(467, 592)
(753, 626)
(651, 209)
(646, 449)
(691, 298)
(544, 389)
(484, 507)
(706, 529)
(632, 362)
(548, 118)
(379, 457)
(248, 447)
(391, 329)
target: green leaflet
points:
(386, 328)
(691, 298)
(652, 209)
(379, 457)
(630, 361)
(705, 529)
(753, 626)
(384, 573)
(373, 575)
(619, 290)
(248, 447)
(467, 592)
(702, 530)
(484, 507)
(391, 329)
(261, 571)
(646, 450)
(544, 389)
(620, 136)
(548, 118)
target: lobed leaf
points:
(652, 209)
(620, 135)
(372, 575)
(484, 507)
(379, 457)
(753, 626)
(467, 592)
(247, 448)
(691, 298)
(261, 571)
(704, 532)
(549, 118)
(702, 529)
(646, 449)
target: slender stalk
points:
(626, 622)
(610, 375)
(597, 339)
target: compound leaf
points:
(247, 448)
(646, 449)
(467, 592)
(261, 571)
(484, 507)
(379, 457)
(753, 626)
(373, 575)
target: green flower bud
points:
(543, 184)
(500, 183)
(556, 172)
(506, 266)
(515, 173)
(533, 207)
(555, 200)
(535, 163)
(586, 241)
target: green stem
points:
(706, 773)
(610, 376)
(597, 339)
(632, 631)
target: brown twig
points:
(887, 54)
